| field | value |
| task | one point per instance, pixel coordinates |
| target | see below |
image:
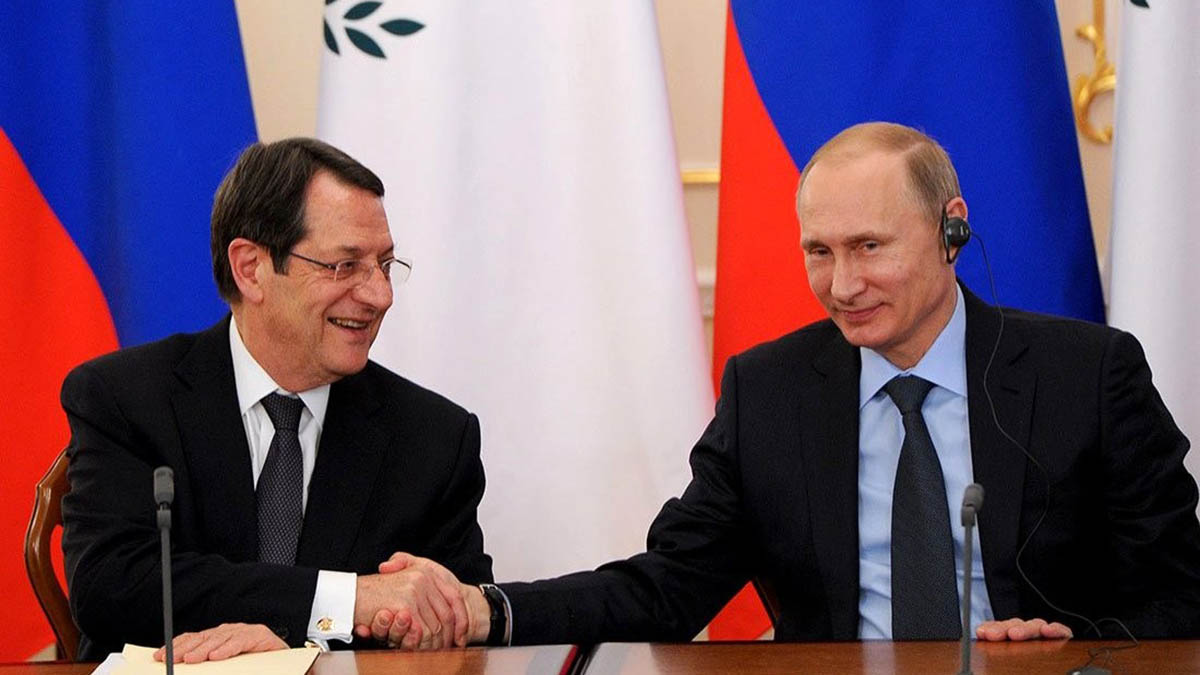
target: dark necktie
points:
(924, 594)
(280, 485)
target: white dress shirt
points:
(332, 615)
(880, 435)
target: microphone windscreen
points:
(971, 504)
(164, 485)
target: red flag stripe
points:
(55, 317)
(762, 290)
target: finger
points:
(398, 561)
(381, 624)
(1026, 630)
(184, 643)
(462, 621)
(429, 617)
(363, 631)
(452, 594)
(253, 638)
(995, 631)
(200, 652)
(426, 641)
(236, 644)
(1057, 631)
(437, 640)
(412, 639)
(989, 631)
(399, 628)
(444, 613)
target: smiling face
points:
(309, 329)
(873, 257)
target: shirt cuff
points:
(332, 616)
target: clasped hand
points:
(415, 603)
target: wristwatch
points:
(499, 615)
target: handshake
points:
(412, 603)
(415, 603)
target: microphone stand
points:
(972, 503)
(164, 494)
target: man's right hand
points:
(222, 642)
(396, 629)
(414, 603)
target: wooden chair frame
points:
(47, 515)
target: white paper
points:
(140, 660)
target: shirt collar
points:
(253, 383)
(945, 364)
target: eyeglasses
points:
(358, 272)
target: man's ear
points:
(246, 260)
(956, 208)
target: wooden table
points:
(741, 658)
(548, 660)
(752, 658)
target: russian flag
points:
(118, 119)
(986, 79)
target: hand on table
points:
(222, 642)
(1019, 630)
(413, 603)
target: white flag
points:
(531, 175)
(1155, 245)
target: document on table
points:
(134, 660)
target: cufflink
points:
(324, 624)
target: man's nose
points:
(376, 290)
(847, 280)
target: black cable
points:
(1092, 625)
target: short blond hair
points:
(932, 180)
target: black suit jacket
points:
(397, 469)
(774, 495)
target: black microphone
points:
(971, 504)
(164, 494)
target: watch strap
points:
(499, 618)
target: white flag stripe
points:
(531, 174)
(1155, 248)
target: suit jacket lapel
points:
(351, 451)
(213, 440)
(830, 412)
(999, 466)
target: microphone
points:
(164, 494)
(971, 504)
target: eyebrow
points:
(866, 236)
(806, 243)
(357, 251)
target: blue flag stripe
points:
(127, 114)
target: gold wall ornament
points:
(1102, 80)
(701, 176)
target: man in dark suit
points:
(833, 470)
(299, 465)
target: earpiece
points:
(955, 234)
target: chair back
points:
(47, 515)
